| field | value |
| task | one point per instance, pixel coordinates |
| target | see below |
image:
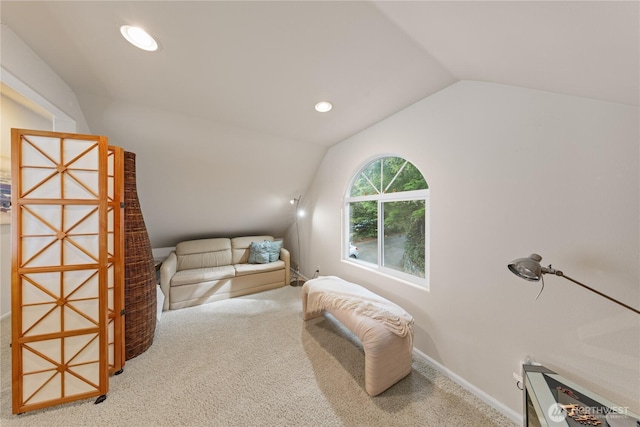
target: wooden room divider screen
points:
(67, 267)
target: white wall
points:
(511, 171)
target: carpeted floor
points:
(252, 361)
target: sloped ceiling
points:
(230, 94)
(586, 49)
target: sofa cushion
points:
(198, 275)
(259, 252)
(203, 253)
(245, 269)
(240, 247)
(274, 250)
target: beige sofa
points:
(207, 270)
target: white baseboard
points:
(4, 316)
(486, 398)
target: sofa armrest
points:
(167, 270)
(286, 257)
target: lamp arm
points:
(561, 274)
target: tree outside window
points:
(386, 216)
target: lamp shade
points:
(527, 268)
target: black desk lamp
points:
(530, 269)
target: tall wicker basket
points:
(140, 277)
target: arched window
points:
(386, 219)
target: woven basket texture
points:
(140, 277)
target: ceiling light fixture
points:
(139, 38)
(323, 106)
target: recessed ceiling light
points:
(139, 38)
(323, 106)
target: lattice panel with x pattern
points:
(63, 268)
(59, 235)
(59, 303)
(59, 168)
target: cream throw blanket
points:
(333, 292)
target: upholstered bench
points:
(384, 329)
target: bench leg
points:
(387, 356)
(387, 360)
(305, 315)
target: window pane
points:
(402, 175)
(410, 179)
(368, 181)
(391, 167)
(363, 231)
(404, 237)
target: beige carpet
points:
(252, 361)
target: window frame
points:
(381, 199)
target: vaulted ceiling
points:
(261, 66)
